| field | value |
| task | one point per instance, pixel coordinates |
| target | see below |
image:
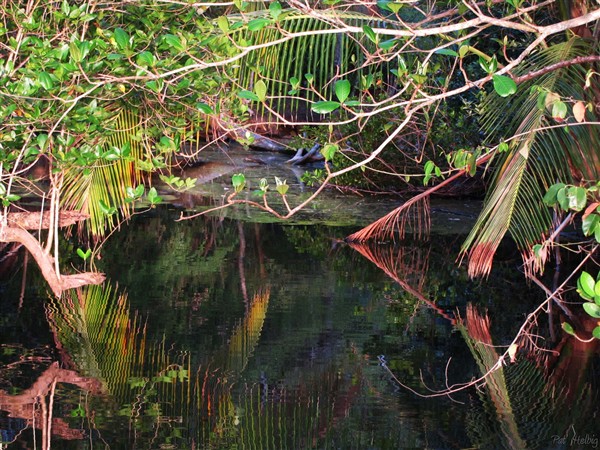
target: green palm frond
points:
(106, 180)
(327, 57)
(541, 155)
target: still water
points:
(219, 334)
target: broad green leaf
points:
(446, 51)
(590, 223)
(550, 198)
(238, 181)
(562, 198)
(258, 24)
(568, 328)
(121, 39)
(84, 255)
(370, 33)
(146, 59)
(325, 107)
(223, 24)
(75, 52)
(342, 90)
(203, 107)
(109, 211)
(174, 42)
(329, 150)
(153, 196)
(463, 50)
(275, 10)
(260, 89)
(387, 45)
(248, 95)
(559, 110)
(504, 86)
(596, 332)
(45, 80)
(586, 286)
(592, 309)
(577, 198)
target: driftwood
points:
(311, 156)
(16, 231)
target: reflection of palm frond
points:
(540, 157)
(401, 264)
(94, 326)
(105, 180)
(245, 336)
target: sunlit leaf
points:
(329, 150)
(586, 285)
(504, 86)
(592, 309)
(568, 328)
(203, 107)
(325, 107)
(258, 24)
(121, 38)
(260, 89)
(447, 52)
(248, 95)
(579, 111)
(342, 90)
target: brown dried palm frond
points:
(396, 221)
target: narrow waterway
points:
(215, 333)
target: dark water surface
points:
(221, 334)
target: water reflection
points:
(229, 335)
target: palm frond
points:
(542, 155)
(85, 187)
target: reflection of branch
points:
(23, 405)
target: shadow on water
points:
(222, 334)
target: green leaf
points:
(153, 196)
(447, 52)
(590, 223)
(121, 39)
(275, 10)
(75, 52)
(387, 45)
(203, 107)
(568, 328)
(45, 80)
(84, 255)
(325, 107)
(370, 33)
(592, 309)
(146, 59)
(504, 86)
(174, 42)
(559, 110)
(248, 95)
(260, 89)
(586, 286)
(281, 186)
(577, 198)
(258, 24)
(107, 210)
(239, 181)
(329, 150)
(562, 198)
(596, 332)
(550, 198)
(223, 24)
(342, 90)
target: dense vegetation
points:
(405, 97)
